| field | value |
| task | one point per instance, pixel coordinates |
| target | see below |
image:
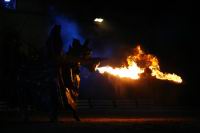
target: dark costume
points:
(54, 77)
(67, 74)
(17, 71)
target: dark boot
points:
(53, 119)
(53, 116)
(76, 117)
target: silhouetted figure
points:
(66, 73)
(70, 75)
(24, 83)
(54, 53)
(15, 62)
(55, 43)
(69, 78)
(48, 78)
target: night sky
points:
(165, 29)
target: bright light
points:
(99, 20)
(7, 0)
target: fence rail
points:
(100, 104)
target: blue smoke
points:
(105, 53)
(69, 31)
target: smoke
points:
(69, 28)
(104, 40)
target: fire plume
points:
(137, 63)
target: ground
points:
(108, 120)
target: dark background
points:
(165, 29)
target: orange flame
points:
(132, 71)
(137, 63)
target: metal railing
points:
(97, 104)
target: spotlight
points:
(7, 1)
(8, 4)
(98, 20)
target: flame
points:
(132, 71)
(137, 63)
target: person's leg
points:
(23, 104)
(53, 115)
(75, 115)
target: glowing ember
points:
(137, 63)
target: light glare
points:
(99, 20)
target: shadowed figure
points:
(55, 43)
(49, 78)
(69, 78)
(17, 59)
(67, 71)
